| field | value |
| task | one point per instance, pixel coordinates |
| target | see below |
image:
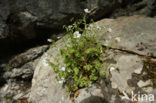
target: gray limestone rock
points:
(122, 77)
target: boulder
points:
(135, 34)
(23, 21)
(45, 86)
(16, 76)
(27, 56)
(126, 73)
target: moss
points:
(150, 68)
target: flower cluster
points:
(87, 10)
(77, 34)
(62, 69)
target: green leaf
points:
(93, 77)
(97, 64)
(71, 50)
(101, 58)
(87, 67)
(76, 71)
(77, 54)
(103, 74)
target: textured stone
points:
(144, 84)
(137, 34)
(16, 78)
(121, 76)
(25, 20)
(27, 56)
(45, 88)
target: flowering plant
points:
(82, 57)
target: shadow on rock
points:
(94, 99)
(109, 95)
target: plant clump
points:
(82, 57)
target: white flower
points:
(60, 81)
(58, 37)
(90, 27)
(62, 68)
(70, 26)
(98, 27)
(112, 68)
(86, 10)
(117, 39)
(49, 40)
(77, 34)
(109, 30)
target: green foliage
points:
(82, 57)
(8, 67)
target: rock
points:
(144, 84)
(138, 71)
(14, 90)
(132, 32)
(16, 78)
(27, 56)
(45, 86)
(22, 73)
(22, 25)
(143, 7)
(23, 21)
(122, 78)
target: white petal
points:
(58, 37)
(112, 68)
(70, 26)
(63, 68)
(60, 82)
(77, 34)
(98, 27)
(49, 40)
(117, 39)
(86, 10)
(109, 30)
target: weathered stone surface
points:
(45, 88)
(27, 56)
(122, 75)
(25, 20)
(125, 79)
(14, 90)
(135, 34)
(143, 7)
(16, 78)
